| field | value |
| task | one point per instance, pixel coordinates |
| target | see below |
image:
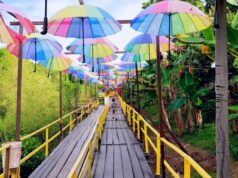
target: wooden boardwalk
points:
(61, 160)
(120, 154)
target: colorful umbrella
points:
(83, 21)
(58, 63)
(37, 47)
(146, 44)
(170, 18)
(94, 47)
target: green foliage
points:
(29, 166)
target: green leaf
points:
(208, 35)
(233, 108)
(234, 23)
(232, 36)
(192, 40)
(201, 92)
(176, 104)
(186, 81)
(233, 116)
(165, 76)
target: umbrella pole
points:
(50, 67)
(76, 92)
(83, 39)
(98, 67)
(35, 55)
(19, 90)
(61, 105)
(92, 58)
(161, 121)
(138, 90)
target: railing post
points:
(46, 142)
(138, 127)
(133, 122)
(90, 159)
(6, 163)
(70, 123)
(158, 155)
(146, 139)
(187, 170)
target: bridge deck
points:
(60, 161)
(120, 154)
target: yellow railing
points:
(71, 122)
(141, 127)
(85, 158)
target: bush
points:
(30, 165)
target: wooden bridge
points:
(100, 146)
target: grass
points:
(204, 138)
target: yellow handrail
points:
(85, 158)
(142, 127)
(83, 110)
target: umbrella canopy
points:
(6, 34)
(83, 21)
(146, 44)
(26, 23)
(37, 47)
(233, 2)
(94, 48)
(130, 65)
(60, 62)
(130, 57)
(170, 18)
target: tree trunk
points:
(177, 114)
(221, 87)
(166, 118)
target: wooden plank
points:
(126, 162)
(104, 137)
(101, 162)
(143, 162)
(109, 136)
(95, 162)
(120, 136)
(135, 162)
(115, 137)
(132, 136)
(108, 173)
(118, 170)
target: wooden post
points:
(138, 90)
(61, 104)
(221, 87)
(19, 89)
(160, 114)
(7, 162)
(76, 92)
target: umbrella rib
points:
(101, 26)
(181, 23)
(202, 20)
(193, 22)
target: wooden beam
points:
(41, 22)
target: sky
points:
(119, 9)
